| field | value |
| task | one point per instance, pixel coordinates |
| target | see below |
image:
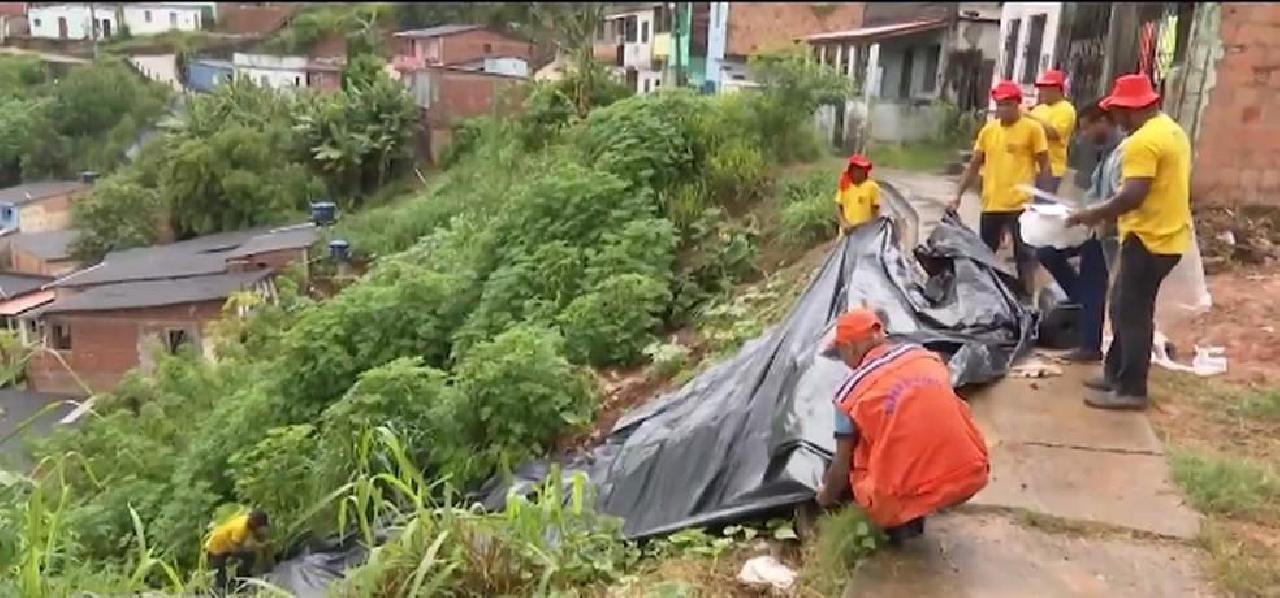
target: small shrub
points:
(807, 210)
(667, 359)
(843, 538)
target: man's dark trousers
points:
(1133, 305)
(1086, 288)
(991, 227)
(225, 566)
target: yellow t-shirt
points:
(232, 535)
(1062, 117)
(1009, 159)
(1159, 150)
(859, 202)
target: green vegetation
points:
(1228, 486)
(86, 120)
(247, 156)
(555, 242)
(919, 156)
(843, 538)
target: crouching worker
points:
(233, 547)
(857, 196)
(905, 443)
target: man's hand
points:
(954, 205)
(824, 497)
(1080, 218)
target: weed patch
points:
(1225, 485)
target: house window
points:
(297, 81)
(174, 339)
(1011, 47)
(60, 336)
(931, 54)
(646, 86)
(629, 29)
(1035, 43)
(35, 22)
(644, 32)
(146, 16)
(173, 19)
(844, 52)
(661, 20)
(904, 79)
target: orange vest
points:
(918, 449)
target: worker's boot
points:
(1115, 401)
(1099, 384)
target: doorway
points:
(62, 28)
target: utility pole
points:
(676, 13)
(93, 29)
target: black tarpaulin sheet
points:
(754, 433)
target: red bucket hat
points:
(1052, 78)
(860, 161)
(1130, 91)
(1006, 91)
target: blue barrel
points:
(323, 212)
(339, 250)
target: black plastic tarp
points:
(753, 433)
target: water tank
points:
(323, 212)
(88, 177)
(339, 250)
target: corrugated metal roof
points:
(437, 31)
(293, 237)
(51, 245)
(28, 192)
(155, 293)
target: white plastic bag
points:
(1184, 293)
(766, 570)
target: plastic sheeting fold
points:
(753, 434)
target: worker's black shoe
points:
(1114, 401)
(906, 531)
(1082, 356)
(1099, 383)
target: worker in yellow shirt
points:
(857, 196)
(1058, 117)
(233, 546)
(1153, 216)
(1010, 150)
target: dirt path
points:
(1080, 501)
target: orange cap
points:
(1130, 91)
(855, 325)
(1006, 91)
(860, 161)
(1052, 78)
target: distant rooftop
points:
(156, 293)
(438, 31)
(50, 245)
(194, 257)
(13, 284)
(29, 192)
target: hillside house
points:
(269, 70)
(452, 45)
(447, 95)
(39, 207)
(43, 254)
(78, 21)
(107, 319)
(204, 74)
(19, 294)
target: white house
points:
(73, 21)
(147, 18)
(107, 20)
(629, 37)
(269, 70)
(1028, 34)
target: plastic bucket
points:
(1046, 226)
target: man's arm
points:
(844, 224)
(836, 478)
(1045, 175)
(970, 173)
(1128, 199)
(1050, 132)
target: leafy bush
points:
(807, 210)
(613, 322)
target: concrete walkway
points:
(1079, 503)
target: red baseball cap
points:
(860, 161)
(1052, 78)
(1006, 91)
(853, 326)
(1130, 91)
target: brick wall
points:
(482, 43)
(28, 263)
(464, 94)
(1238, 142)
(756, 27)
(106, 345)
(48, 214)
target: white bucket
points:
(1046, 226)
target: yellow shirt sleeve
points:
(1039, 142)
(874, 197)
(1140, 159)
(1062, 117)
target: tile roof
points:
(13, 284)
(28, 192)
(195, 257)
(437, 31)
(155, 293)
(50, 245)
(878, 33)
